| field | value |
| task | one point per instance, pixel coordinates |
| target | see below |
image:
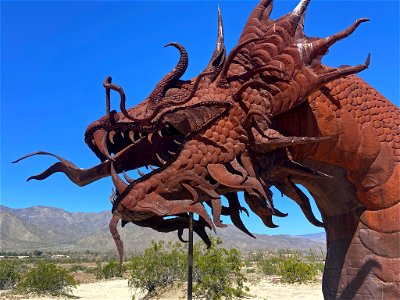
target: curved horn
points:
(218, 58)
(169, 79)
(110, 86)
(320, 46)
(298, 12)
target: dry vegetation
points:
(280, 275)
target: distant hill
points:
(52, 229)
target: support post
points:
(190, 258)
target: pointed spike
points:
(220, 38)
(218, 57)
(320, 46)
(300, 9)
(120, 185)
(343, 71)
(111, 136)
(278, 213)
(140, 172)
(132, 136)
(127, 178)
(159, 132)
(295, 168)
(172, 153)
(176, 142)
(151, 167)
(140, 134)
(298, 12)
(160, 159)
(100, 140)
(180, 235)
(149, 136)
(122, 134)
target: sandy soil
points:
(266, 288)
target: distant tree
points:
(38, 253)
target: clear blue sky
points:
(55, 56)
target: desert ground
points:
(265, 288)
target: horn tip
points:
(368, 60)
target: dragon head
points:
(212, 136)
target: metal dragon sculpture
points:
(267, 114)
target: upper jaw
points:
(130, 146)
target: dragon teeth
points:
(149, 136)
(140, 172)
(111, 136)
(160, 159)
(127, 178)
(132, 136)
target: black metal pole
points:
(190, 257)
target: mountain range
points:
(54, 229)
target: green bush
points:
(47, 278)
(293, 270)
(158, 267)
(110, 270)
(270, 265)
(10, 273)
(77, 267)
(217, 272)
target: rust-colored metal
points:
(268, 114)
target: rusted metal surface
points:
(267, 114)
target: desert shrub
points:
(10, 273)
(217, 272)
(293, 270)
(77, 267)
(109, 270)
(158, 267)
(46, 278)
(270, 265)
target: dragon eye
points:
(172, 92)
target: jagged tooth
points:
(112, 196)
(149, 136)
(160, 159)
(111, 136)
(100, 140)
(151, 167)
(140, 134)
(159, 132)
(132, 136)
(140, 172)
(176, 142)
(127, 178)
(170, 152)
(122, 134)
(120, 185)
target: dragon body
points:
(268, 114)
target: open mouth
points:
(132, 147)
